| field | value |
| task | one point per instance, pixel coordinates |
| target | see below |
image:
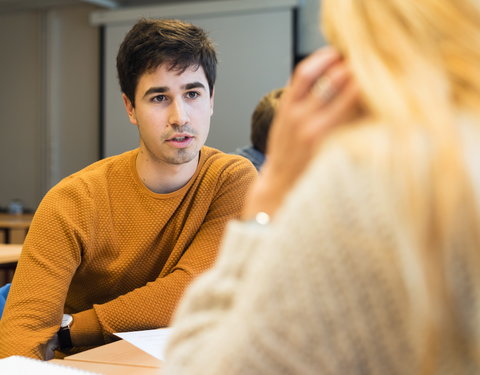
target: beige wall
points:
(21, 102)
(49, 100)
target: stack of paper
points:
(22, 365)
(152, 341)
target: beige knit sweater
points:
(114, 254)
(321, 289)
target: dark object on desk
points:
(15, 207)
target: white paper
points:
(22, 365)
(152, 341)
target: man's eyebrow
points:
(194, 85)
(164, 89)
(156, 90)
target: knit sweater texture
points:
(116, 255)
(321, 289)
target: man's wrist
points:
(263, 196)
(64, 337)
(86, 330)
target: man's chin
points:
(182, 156)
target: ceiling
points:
(21, 5)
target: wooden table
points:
(119, 357)
(9, 222)
(9, 255)
(108, 369)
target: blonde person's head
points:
(417, 63)
(393, 45)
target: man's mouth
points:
(180, 141)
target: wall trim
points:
(188, 10)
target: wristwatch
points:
(64, 338)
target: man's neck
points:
(164, 178)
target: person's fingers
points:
(321, 108)
(308, 71)
(330, 84)
(50, 347)
(342, 108)
(308, 119)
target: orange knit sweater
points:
(116, 255)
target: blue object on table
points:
(3, 297)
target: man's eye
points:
(159, 98)
(192, 94)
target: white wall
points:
(21, 107)
(48, 99)
(73, 90)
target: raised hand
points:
(320, 95)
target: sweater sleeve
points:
(158, 299)
(50, 256)
(318, 291)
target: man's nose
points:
(178, 114)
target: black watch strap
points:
(64, 338)
(63, 334)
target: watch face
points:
(66, 320)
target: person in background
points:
(369, 264)
(261, 121)
(112, 247)
(3, 296)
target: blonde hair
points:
(417, 63)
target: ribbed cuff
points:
(86, 329)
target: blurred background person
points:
(262, 118)
(369, 264)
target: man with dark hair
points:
(262, 118)
(112, 247)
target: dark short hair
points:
(262, 118)
(153, 42)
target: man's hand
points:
(50, 347)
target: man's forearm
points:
(86, 329)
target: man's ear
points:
(130, 109)
(212, 97)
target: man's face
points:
(172, 112)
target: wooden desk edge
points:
(9, 253)
(106, 368)
(103, 354)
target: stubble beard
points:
(182, 156)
